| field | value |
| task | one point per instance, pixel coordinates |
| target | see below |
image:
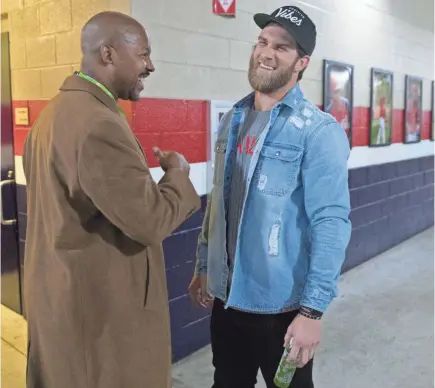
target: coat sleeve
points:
(115, 177)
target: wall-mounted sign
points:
(224, 7)
(22, 116)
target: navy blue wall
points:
(189, 324)
(390, 203)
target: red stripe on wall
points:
(360, 126)
(19, 137)
(397, 133)
(426, 125)
(172, 125)
(183, 125)
(35, 108)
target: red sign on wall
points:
(224, 7)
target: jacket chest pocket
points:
(278, 169)
(219, 162)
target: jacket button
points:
(278, 153)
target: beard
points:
(268, 81)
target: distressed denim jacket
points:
(294, 227)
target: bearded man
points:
(277, 223)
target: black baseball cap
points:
(296, 22)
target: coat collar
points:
(75, 83)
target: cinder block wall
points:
(45, 41)
(200, 55)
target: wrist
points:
(310, 313)
(178, 170)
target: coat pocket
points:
(147, 281)
(278, 169)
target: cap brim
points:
(263, 19)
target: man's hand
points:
(305, 334)
(198, 291)
(171, 159)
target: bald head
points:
(116, 51)
(109, 28)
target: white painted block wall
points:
(199, 55)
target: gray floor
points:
(379, 333)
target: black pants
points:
(242, 343)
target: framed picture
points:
(338, 93)
(413, 109)
(432, 127)
(381, 108)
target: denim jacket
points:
(294, 227)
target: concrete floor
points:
(379, 333)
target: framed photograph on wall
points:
(432, 125)
(381, 108)
(338, 93)
(413, 109)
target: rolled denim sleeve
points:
(202, 247)
(327, 204)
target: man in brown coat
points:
(95, 287)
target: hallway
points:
(377, 334)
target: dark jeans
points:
(242, 343)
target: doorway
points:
(10, 261)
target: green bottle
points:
(285, 372)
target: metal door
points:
(10, 262)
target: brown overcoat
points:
(94, 278)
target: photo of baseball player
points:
(381, 108)
(432, 128)
(413, 109)
(338, 95)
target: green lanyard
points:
(102, 87)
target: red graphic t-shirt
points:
(247, 145)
